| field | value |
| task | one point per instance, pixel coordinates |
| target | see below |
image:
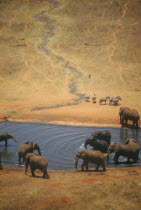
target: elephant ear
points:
(83, 155)
(27, 142)
(34, 144)
(116, 147)
(134, 141)
(127, 142)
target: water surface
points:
(58, 143)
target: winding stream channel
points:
(59, 143)
(64, 63)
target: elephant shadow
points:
(90, 170)
(37, 176)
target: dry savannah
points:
(70, 104)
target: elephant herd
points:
(99, 141)
(102, 147)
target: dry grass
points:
(117, 189)
(98, 38)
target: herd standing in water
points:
(99, 141)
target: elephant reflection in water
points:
(126, 134)
(6, 154)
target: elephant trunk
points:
(76, 161)
(14, 139)
(85, 145)
(26, 165)
(39, 151)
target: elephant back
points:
(102, 135)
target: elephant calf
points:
(130, 150)
(36, 162)
(90, 156)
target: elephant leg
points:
(116, 158)
(136, 157)
(97, 167)
(6, 143)
(45, 174)
(24, 159)
(86, 165)
(32, 171)
(137, 124)
(103, 165)
(83, 164)
(122, 121)
(126, 122)
(20, 159)
(128, 160)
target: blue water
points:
(58, 143)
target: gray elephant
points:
(99, 140)
(102, 135)
(130, 150)
(36, 162)
(28, 147)
(129, 114)
(5, 137)
(89, 156)
(100, 145)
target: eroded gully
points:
(64, 63)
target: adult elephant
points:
(5, 137)
(102, 135)
(130, 150)
(36, 162)
(28, 147)
(88, 156)
(129, 114)
(100, 145)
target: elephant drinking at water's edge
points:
(5, 137)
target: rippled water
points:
(58, 143)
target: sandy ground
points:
(101, 41)
(117, 188)
(39, 43)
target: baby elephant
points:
(130, 150)
(36, 162)
(90, 156)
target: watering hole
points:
(59, 143)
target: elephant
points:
(100, 145)
(129, 114)
(28, 147)
(102, 135)
(5, 137)
(1, 168)
(99, 141)
(89, 156)
(36, 162)
(130, 150)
